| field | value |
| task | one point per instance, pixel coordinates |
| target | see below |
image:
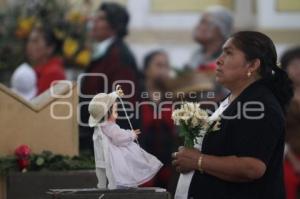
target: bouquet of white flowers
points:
(194, 122)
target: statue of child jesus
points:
(118, 158)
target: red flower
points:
(23, 153)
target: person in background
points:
(41, 50)
(111, 57)
(213, 29)
(23, 82)
(290, 62)
(158, 134)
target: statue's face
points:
(114, 114)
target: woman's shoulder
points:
(270, 101)
(260, 93)
(257, 100)
(122, 51)
(269, 105)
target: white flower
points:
(205, 126)
(176, 119)
(202, 133)
(201, 115)
(186, 117)
(195, 122)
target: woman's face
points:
(159, 68)
(293, 70)
(206, 31)
(37, 49)
(101, 29)
(232, 66)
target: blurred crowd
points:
(111, 55)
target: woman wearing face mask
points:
(41, 48)
(244, 159)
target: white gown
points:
(126, 163)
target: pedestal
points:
(34, 185)
(138, 193)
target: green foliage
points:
(48, 161)
(16, 25)
(189, 134)
(8, 164)
(18, 19)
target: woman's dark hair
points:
(117, 16)
(150, 56)
(288, 56)
(50, 38)
(256, 45)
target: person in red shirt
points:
(41, 48)
(158, 135)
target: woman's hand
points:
(228, 168)
(186, 160)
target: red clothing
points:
(292, 180)
(208, 67)
(158, 137)
(49, 72)
(117, 64)
(150, 118)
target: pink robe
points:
(130, 165)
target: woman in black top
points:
(244, 159)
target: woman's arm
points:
(233, 168)
(228, 168)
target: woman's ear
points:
(254, 66)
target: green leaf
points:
(40, 161)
